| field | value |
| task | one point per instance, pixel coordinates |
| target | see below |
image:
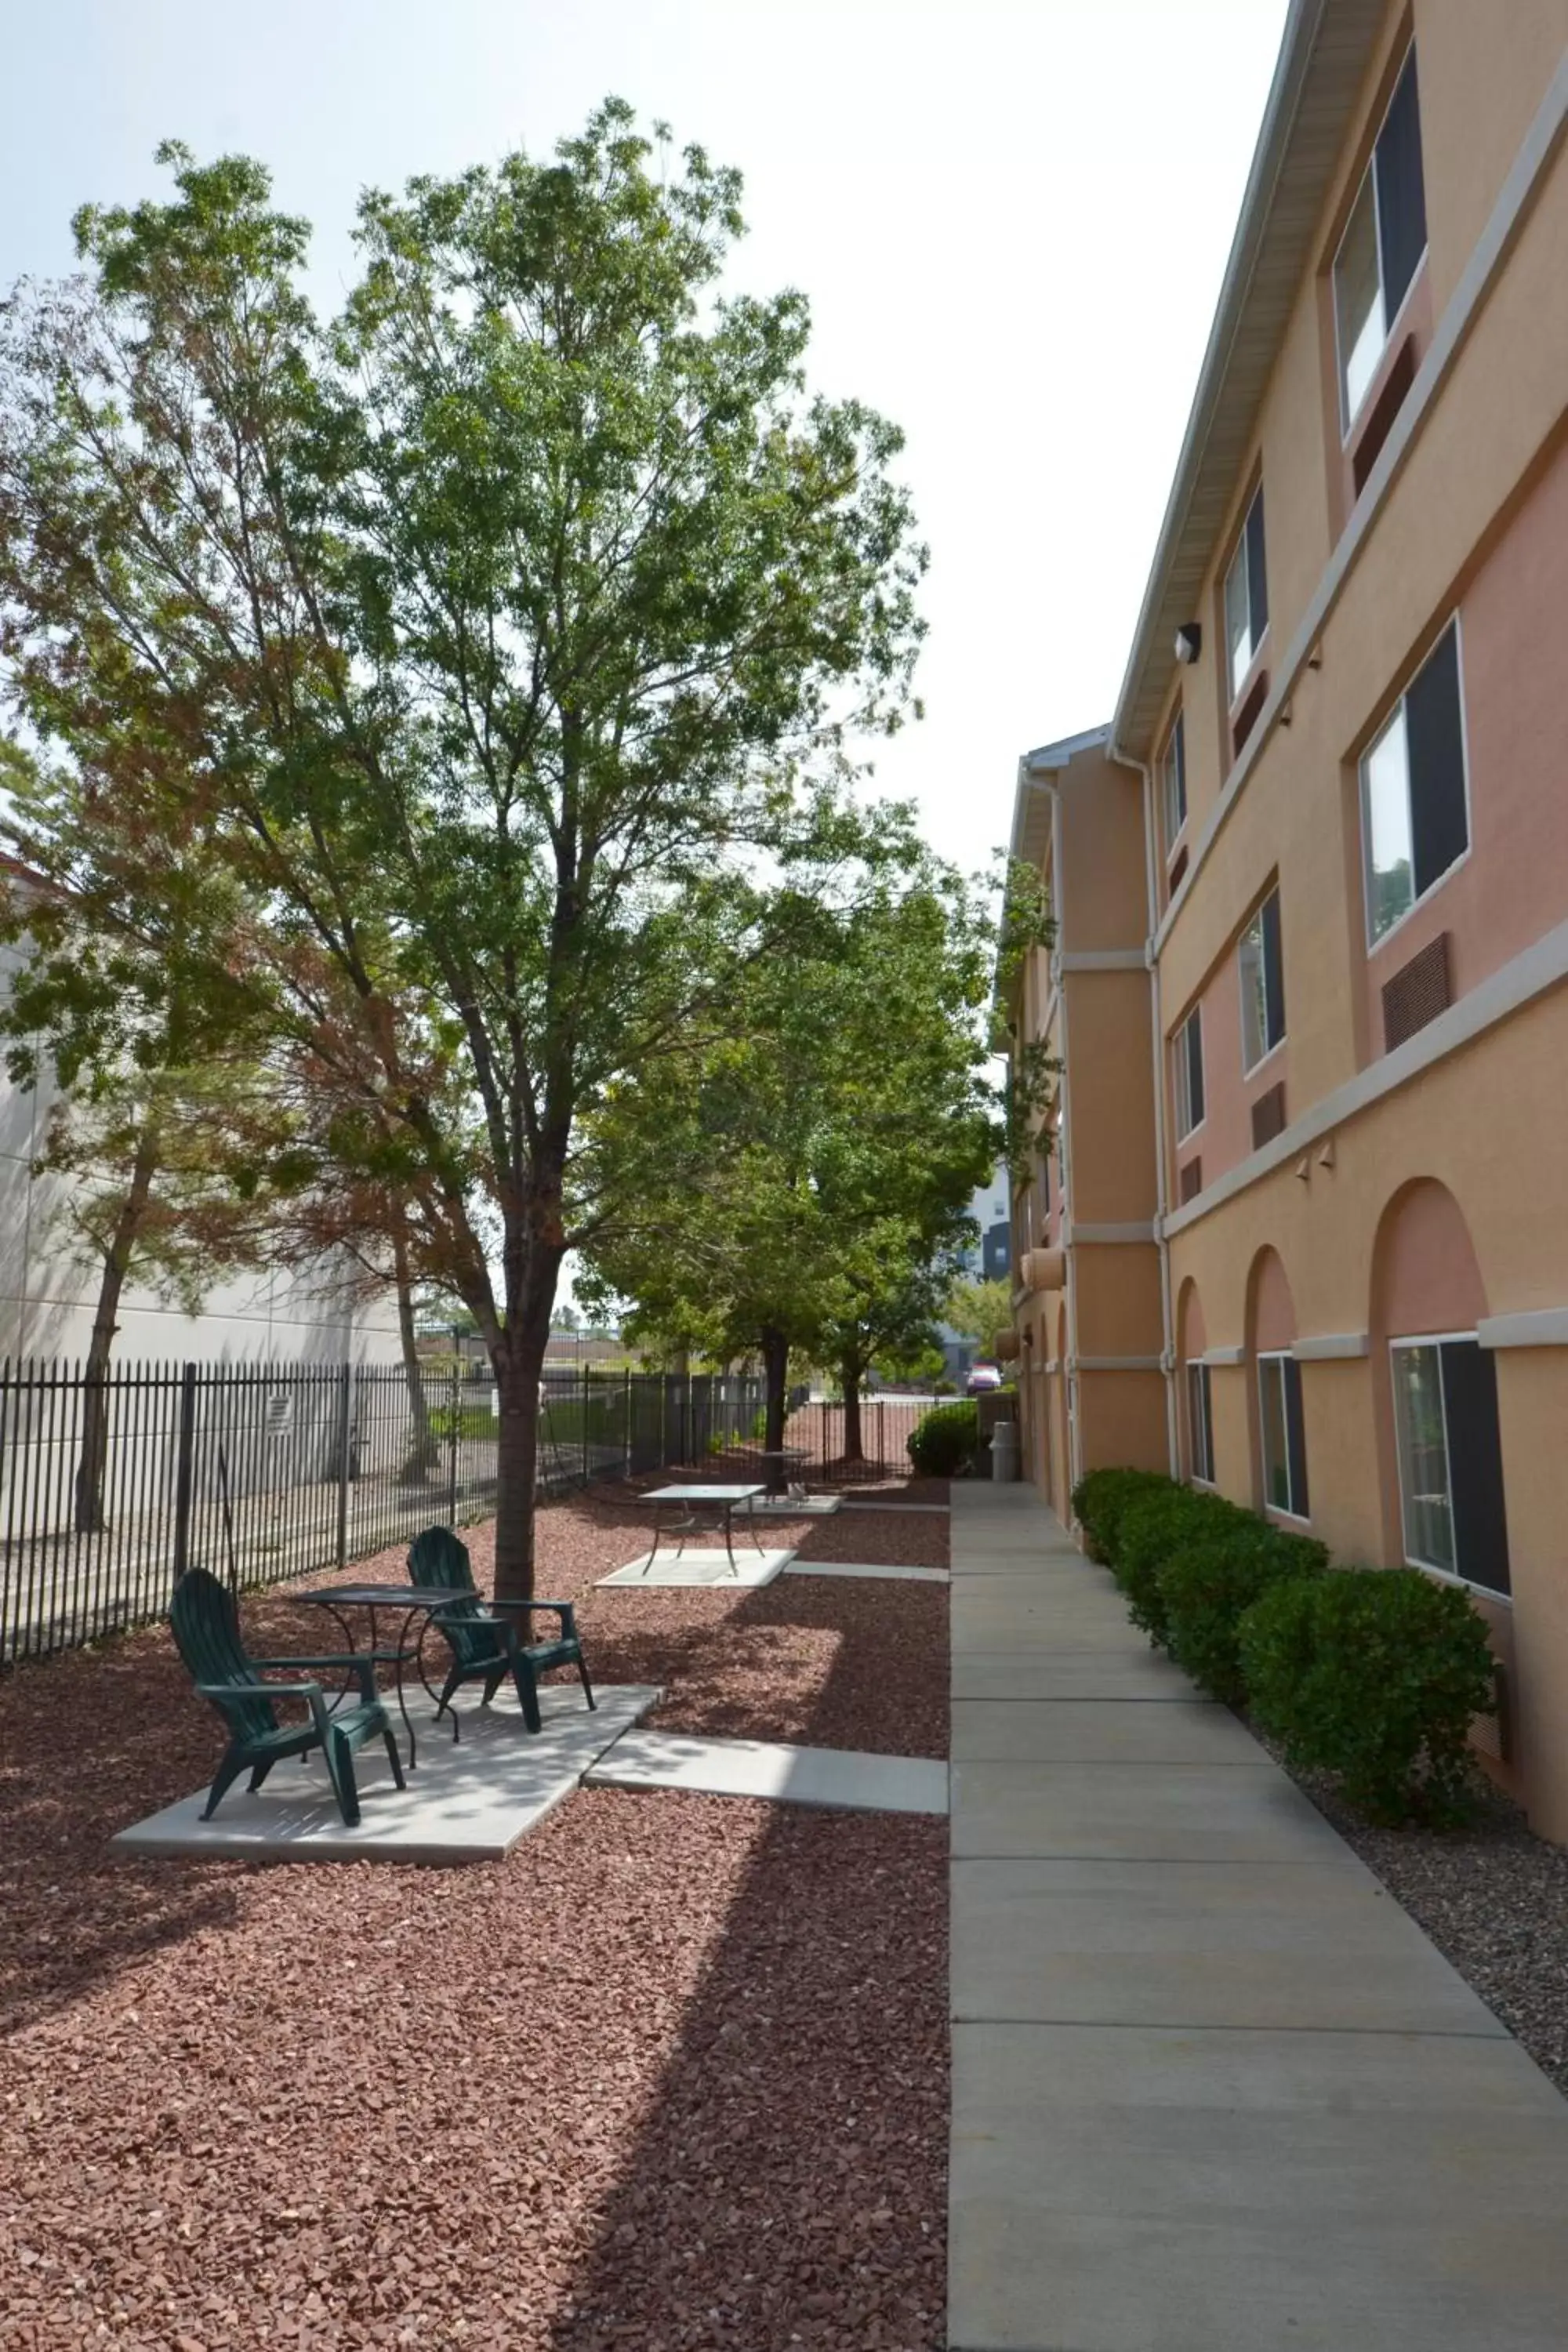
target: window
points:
(1187, 1053)
(1262, 984)
(1284, 1436)
(1200, 1424)
(1246, 596)
(1450, 1460)
(1415, 815)
(1174, 783)
(1381, 249)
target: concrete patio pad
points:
(1264, 1945)
(866, 1567)
(760, 1768)
(469, 1801)
(1043, 1731)
(1132, 2190)
(701, 1565)
(1155, 1813)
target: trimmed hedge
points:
(1153, 1529)
(1099, 1500)
(1374, 1675)
(1206, 1588)
(945, 1439)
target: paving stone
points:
(1132, 2190)
(1117, 1670)
(1168, 1812)
(1251, 1945)
(760, 1768)
(1045, 1731)
(866, 1567)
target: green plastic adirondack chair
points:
(205, 1626)
(485, 1648)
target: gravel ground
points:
(1494, 1899)
(673, 2076)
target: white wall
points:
(46, 1298)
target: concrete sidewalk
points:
(1214, 2091)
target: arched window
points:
(1281, 1423)
(1427, 1301)
(1196, 1400)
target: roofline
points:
(1049, 759)
(1333, 69)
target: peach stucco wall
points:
(1444, 1203)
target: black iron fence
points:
(110, 1486)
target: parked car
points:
(982, 1379)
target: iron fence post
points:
(183, 1467)
(583, 1416)
(345, 1427)
(454, 1439)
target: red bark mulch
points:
(673, 2076)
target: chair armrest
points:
(362, 1663)
(565, 1610)
(222, 1691)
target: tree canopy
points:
(500, 647)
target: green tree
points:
(805, 1174)
(978, 1310)
(490, 638)
(158, 1066)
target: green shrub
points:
(945, 1439)
(1154, 1528)
(1099, 1500)
(1206, 1588)
(1373, 1675)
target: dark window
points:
(1246, 596)
(1415, 820)
(1189, 1075)
(1262, 984)
(1450, 1459)
(1174, 778)
(1381, 249)
(1200, 1422)
(1400, 190)
(1284, 1436)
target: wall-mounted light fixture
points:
(1189, 643)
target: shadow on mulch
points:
(788, 2188)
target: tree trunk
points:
(851, 1371)
(775, 1372)
(423, 1451)
(94, 1456)
(518, 1355)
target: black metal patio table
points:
(694, 1498)
(425, 1601)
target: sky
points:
(1011, 219)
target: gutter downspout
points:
(1172, 1436)
(1040, 781)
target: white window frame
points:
(1202, 1388)
(1351, 417)
(1180, 1084)
(1271, 1510)
(1239, 555)
(1378, 940)
(1177, 729)
(1438, 1340)
(1248, 1068)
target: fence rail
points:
(111, 1484)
